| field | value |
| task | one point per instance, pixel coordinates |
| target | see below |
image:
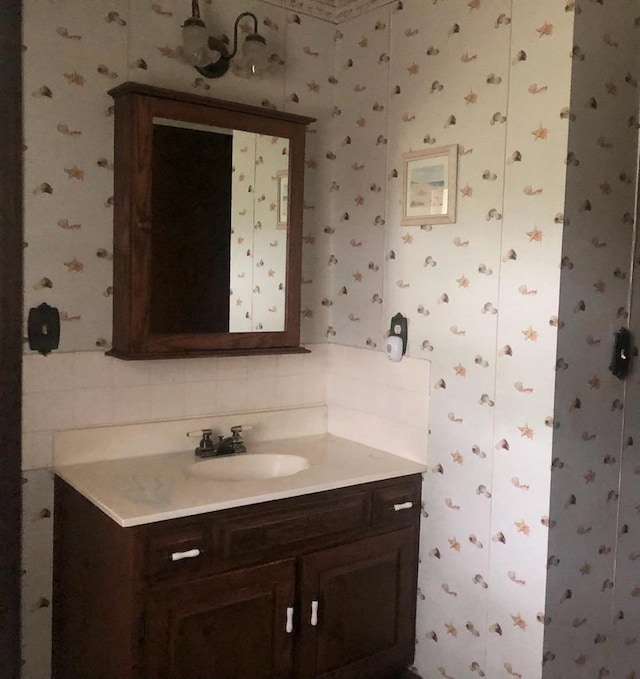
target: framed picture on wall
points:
(283, 198)
(429, 188)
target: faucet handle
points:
(238, 442)
(199, 432)
(205, 447)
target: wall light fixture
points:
(210, 56)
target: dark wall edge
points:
(11, 273)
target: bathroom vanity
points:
(308, 577)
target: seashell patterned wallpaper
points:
(479, 294)
(593, 583)
(530, 533)
(69, 68)
(543, 102)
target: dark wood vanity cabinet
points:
(365, 593)
(227, 625)
(321, 586)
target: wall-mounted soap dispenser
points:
(397, 341)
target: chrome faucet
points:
(229, 445)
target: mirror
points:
(207, 226)
(227, 189)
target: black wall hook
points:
(622, 353)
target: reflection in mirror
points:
(225, 192)
(259, 246)
(283, 198)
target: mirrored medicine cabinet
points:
(207, 226)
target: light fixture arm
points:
(235, 30)
(194, 19)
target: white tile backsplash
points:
(261, 366)
(130, 373)
(37, 449)
(314, 388)
(290, 364)
(316, 361)
(377, 402)
(48, 373)
(200, 398)
(201, 370)
(233, 368)
(66, 391)
(44, 411)
(93, 369)
(93, 406)
(166, 372)
(261, 392)
(379, 432)
(289, 390)
(232, 394)
(167, 401)
(131, 403)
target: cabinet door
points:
(229, 626)
(358, 608)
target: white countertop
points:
(149, 488)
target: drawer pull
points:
(402, 505)
(314, 614)
(289, 624)
(189, 554)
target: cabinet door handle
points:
(402, 505)
(189, 554)
(314, 613)
(289, 624)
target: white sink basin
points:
(248, 467)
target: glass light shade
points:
(194, 44)
(255, 57)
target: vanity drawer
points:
(217, 541)
(398, 504)
(260, 532)
(174, 548)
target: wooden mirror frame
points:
(136, 106)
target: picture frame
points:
(282, 178)
(430, 186)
